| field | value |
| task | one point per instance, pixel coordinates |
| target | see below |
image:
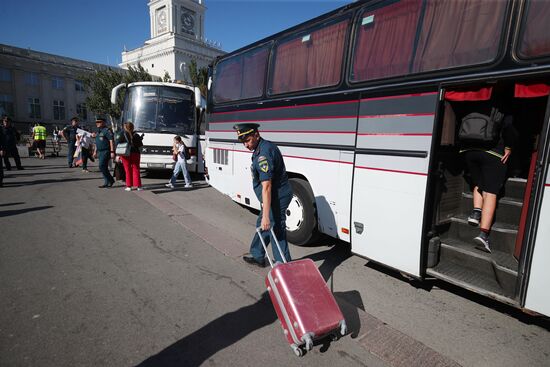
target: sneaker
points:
(139, 189)
(169, 185)
(474, 218)
(128, 189)
(188, 186)
(483, 242)
(85, 171)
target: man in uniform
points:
(271, 186)
(69, 133)
(105, 150)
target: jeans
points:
(104, 158)
(85, 154)
(277, 217)
(71, 149)
(180, 166)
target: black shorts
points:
(41, 144)
(487, 171)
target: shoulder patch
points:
(262, 158)
(264, 167)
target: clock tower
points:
(177, 37)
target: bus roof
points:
(164, 84)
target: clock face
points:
(161, 21)
(187, 22)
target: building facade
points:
(177, 37)
(41, 87)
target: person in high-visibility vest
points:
(39, 133)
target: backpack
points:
(479, 128)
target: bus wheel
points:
(301, 219)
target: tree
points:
(100, 84)
(198, 76)
(166, 78)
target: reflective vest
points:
(39, 133)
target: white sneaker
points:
(128, 189)
(139, 189)
(188, 186)
(169, 185)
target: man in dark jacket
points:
(11, 136)
(69, 133)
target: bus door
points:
(537, 257)
(394, 138)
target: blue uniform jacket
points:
(267, 163)
(102, 139)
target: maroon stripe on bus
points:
(394, 134)
(399, 96)
(286, 119)
(289, 156)
(396, 115)
(291, 131)
(392, 170)
(286, 107)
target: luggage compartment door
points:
(394, 139)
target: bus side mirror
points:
(114, 92)
(200, 102)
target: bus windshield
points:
(160, 109)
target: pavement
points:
(199, 234)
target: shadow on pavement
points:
(350, 302)
(41, 182)
(11, 204)
(9, 213)
(199, 346)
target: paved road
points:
(94, 277)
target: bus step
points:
(471, 280)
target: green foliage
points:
(199, 77)
(100, 84)
(166, 78)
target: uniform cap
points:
(245, 129)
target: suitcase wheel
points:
(297, 350)
(343, 327)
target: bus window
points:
(311, 60)
(459, 33)
(385, 40)
(241, 76)
(534, 37)
(176, 111)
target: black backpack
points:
(479, 128)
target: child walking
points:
(178, 149)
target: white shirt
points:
(181, 152)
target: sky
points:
(99, 30)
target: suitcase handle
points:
(259, 231)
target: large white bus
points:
(161, 111)
(363, 103)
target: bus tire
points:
(301, 221)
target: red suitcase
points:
(304, 304)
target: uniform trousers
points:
(131, 169)
(104, 158)
(277, 217)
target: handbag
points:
(123, 149)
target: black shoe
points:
(103, 186)
(110, 184)
(474, 218)
(252, 260)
